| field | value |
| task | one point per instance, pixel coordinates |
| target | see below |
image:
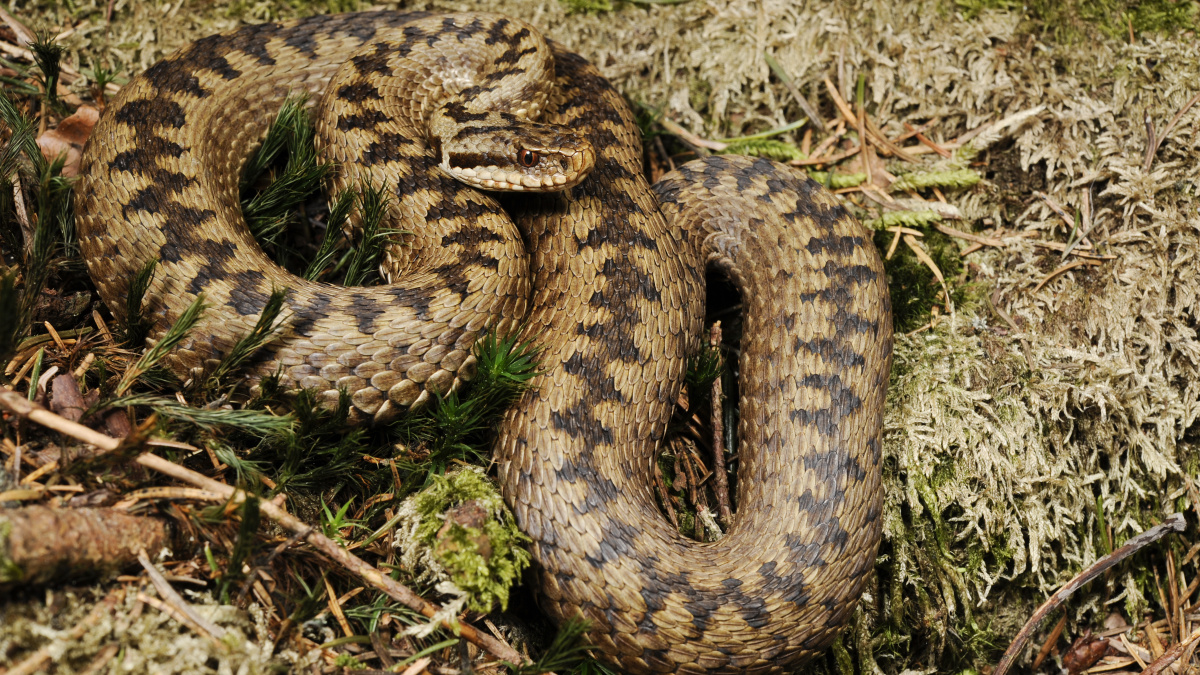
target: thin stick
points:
(721, 484)
(690, 138)
(23, 216)
(1171, 655)
(844, 109)
(832, 159)
(923, 140)
(969, 236)
(17, 404)
(177, 614)
(1050, 641)
(176, 601)
(1173, 523)
(1151, 142)
(1156, 143)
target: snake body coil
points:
(613, 279)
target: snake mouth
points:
(555, 170)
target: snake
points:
(514, 171)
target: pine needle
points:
(137, 326)
(364, 261)
(262, 333)
(173, 337)
(339, 213)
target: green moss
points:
(1072, 20)
(837, 181)
(765, 147)
(699, 93)
(913, 288)
(9, 570)
(487, 579)
(347, 660)
(922, 180)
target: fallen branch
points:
(1173, 523)
(45, 543)
(18, 405)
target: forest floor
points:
(1031, 174)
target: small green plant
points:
(363, 267)
(262, 333)
(255, 423)
(289, 142)
(339, 213)
(333, 522)
(243, 547)
(568, 652)
(457, 425)
(174, 335)
(317, 448)
(47, 55)
(137, 324)
(100, 77)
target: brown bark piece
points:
(65, 398)
(39, 544)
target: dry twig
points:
(721, 482)
(18, 405)
(1173, 523)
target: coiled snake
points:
(613, 280)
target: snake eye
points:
(527, 158)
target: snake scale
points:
(606, 271)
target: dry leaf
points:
(68, 137)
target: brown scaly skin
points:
(616, 297)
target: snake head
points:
(508, 153)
